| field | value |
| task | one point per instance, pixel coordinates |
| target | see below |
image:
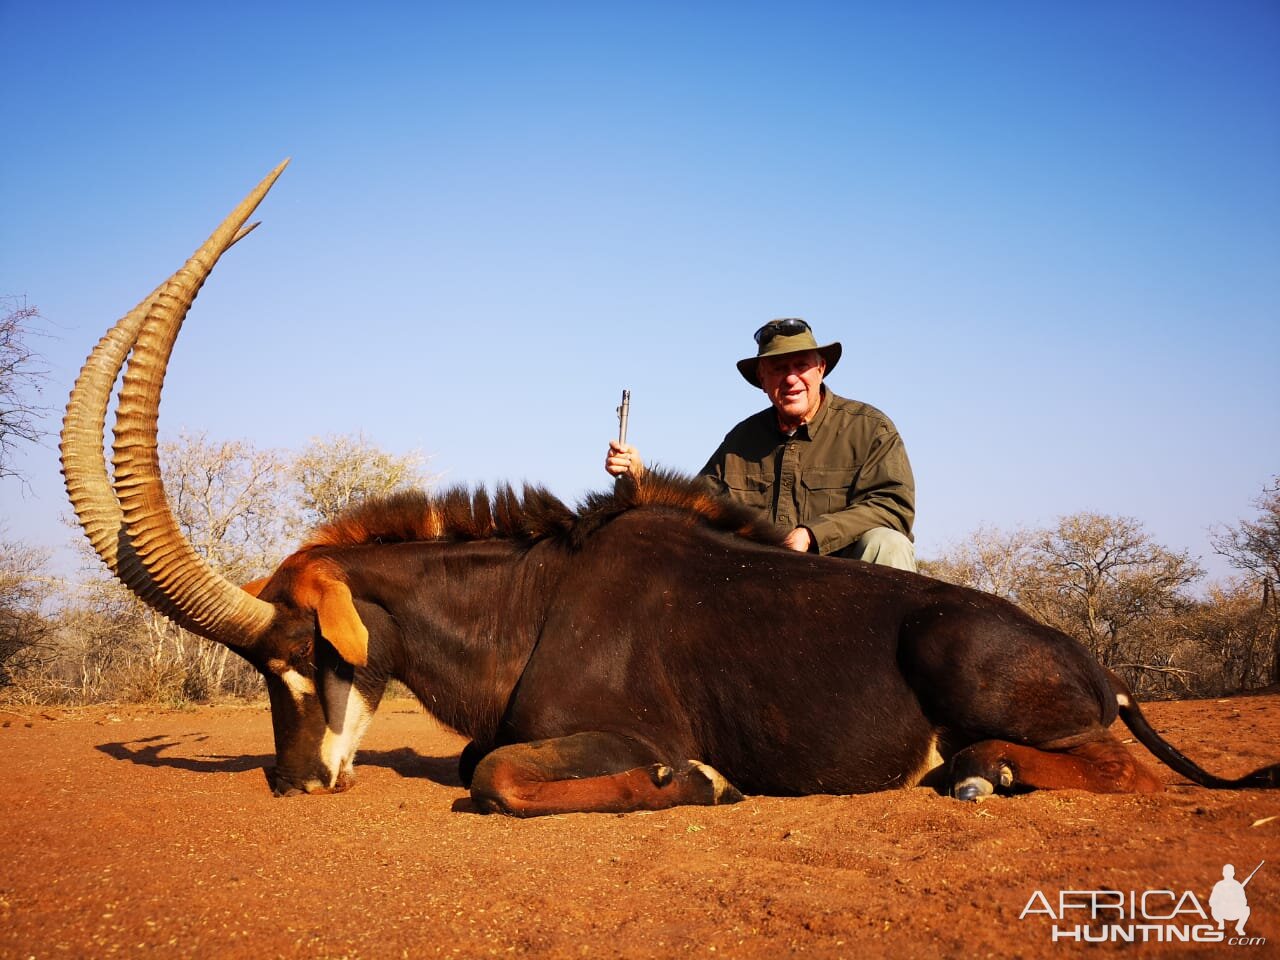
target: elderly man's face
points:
(792, 383)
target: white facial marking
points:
(298, 685)
(347, 718)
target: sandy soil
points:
(131, 831)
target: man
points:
(831, 472)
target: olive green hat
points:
(788, 335)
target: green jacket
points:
(840, 476)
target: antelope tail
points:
(1174, 758)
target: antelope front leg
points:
(591, 773)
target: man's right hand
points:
(623, 458)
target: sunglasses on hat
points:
(779, 328)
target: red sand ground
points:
(131, 831)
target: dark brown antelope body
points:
(656, 647)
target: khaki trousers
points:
(886, 547)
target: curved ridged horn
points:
(149, 552)
(84, 467)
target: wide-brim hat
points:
(783, 343)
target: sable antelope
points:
(655, 647)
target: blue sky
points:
(1047, 234)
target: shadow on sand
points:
(152, 752)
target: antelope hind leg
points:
(1100, 766)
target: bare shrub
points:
(335, 472)
(243, 509)
(1253, 547)
(1099, 579)
(26, 630)
(22, 377)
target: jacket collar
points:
(809, 429)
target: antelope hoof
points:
(972, 789)
(721, 790)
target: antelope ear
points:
(254, 587)
(340, 624)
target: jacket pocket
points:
(826, 490)
(754, 491)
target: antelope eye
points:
(302, 654)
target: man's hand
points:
(801, 539)
(623, 458)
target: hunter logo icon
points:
(1228, 900)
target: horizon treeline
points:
(1139, 607)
